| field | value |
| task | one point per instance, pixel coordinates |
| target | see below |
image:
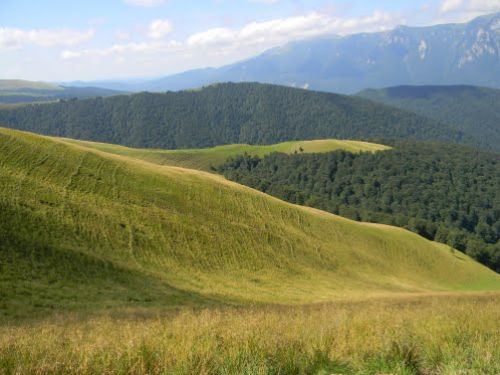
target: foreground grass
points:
(205, 158)
(441, 334)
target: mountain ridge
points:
(459, 53)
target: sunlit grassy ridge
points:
(204, 158)
(86, 229)
(16, 84)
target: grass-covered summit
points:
(224, 114)
(84, 229)
(444, 192)
(207, 158)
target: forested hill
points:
(447, 193)
(223, 114)
(473, 110)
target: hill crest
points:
(94, 229)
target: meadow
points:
(427, 334)
(206, 158)
(111, 264)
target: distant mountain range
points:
(469, 109)
(447, 54)
(21, 91)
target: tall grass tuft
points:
(445, 334)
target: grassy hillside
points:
(205, 158)
(83, 229)
(19, 84)
(444, 192)
(472, 110)
(248, 113)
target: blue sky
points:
(61, 40)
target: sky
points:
(67, 40)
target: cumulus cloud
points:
(218, 46)
(144, 3)
(15, 37)
(286, 29)
(473, 7)
(159, 28)
(122, 35)
(124, 48)
(450, 5)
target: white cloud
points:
(119, 49)
(255, 35)
(145, 3)
(14, 37)
(70, 54)
(286, 29)
(159, 28)
(450, 5)
(217, 46)
(472, 7)
(122, 35)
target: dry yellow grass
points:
(430, 334)
(103, 257)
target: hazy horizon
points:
(141, 39)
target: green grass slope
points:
(84, 229)
(203, 159)
(19, 84)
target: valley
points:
(250, 187)
(178, 263)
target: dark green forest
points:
(224, 114)
(444, 192)
(472, 110)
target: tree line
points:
(444, 192)
(224, 114)
(473, 110)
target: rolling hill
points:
(13, 91)
(448, 54)
(384, 188)
(472, 110)
(207, 158)
(224, 114)
(87, 230)
(444, 192)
